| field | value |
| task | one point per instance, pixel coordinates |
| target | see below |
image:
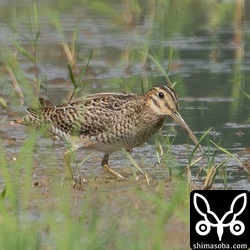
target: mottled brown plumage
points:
(108, 122)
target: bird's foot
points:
(107, 168)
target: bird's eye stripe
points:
(167, 105)
(156, 102)
(171, 92)
(173, 95)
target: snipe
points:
(108, 122)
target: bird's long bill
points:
(179, 120)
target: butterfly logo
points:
(203, 227)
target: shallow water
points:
(210, 65)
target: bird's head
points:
(163, 100)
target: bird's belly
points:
(117, 139)
(111, 143)
(109, 148)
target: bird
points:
(109, 121)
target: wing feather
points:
(92, 115)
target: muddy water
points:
(210, 64)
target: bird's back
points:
(91, 116)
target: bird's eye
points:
(161, 95)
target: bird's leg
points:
(107, 168)
(67, 156)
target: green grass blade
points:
(24, 51)
(133, 161)
(231, 155)
(84, 69)
(155, 60)
(199, 142)
(71, 76)
(37, 27)
(104, 8)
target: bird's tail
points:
(35, 118)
